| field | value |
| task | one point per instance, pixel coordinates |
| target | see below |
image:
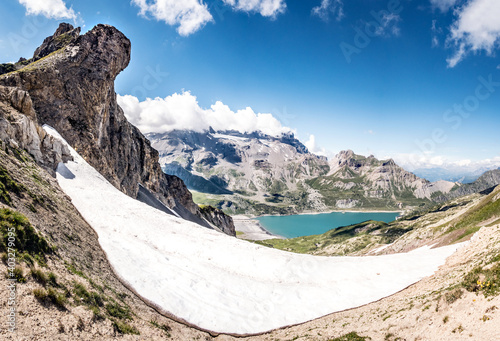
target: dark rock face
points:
(64, 35)
(73, 91)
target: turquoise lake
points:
(292, 226)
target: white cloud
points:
(189, 15)
(182, 111)
(436, 31)
(314, 148)
(267, 8)
(329, 7)
(443, 5)
(476, 29)
(52, 9)
(389, 25)
(418, 160)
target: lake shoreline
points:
(326, 212)
(300, 225)
(252, 229)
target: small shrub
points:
(97, 316)
(352, 336)
(56, 298)
(51, 296)
(124, 328)
(40, 294)
(53, 279)
(18, 274)
(163, 327)
(453, 296)
(39, 276)
(446, 319)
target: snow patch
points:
(221, 283)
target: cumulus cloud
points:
(182, 111)
(443, 5)
(329, 7)
(313, 147)
(52, 9)
(267, 8)
(188, 15)
(476, 29)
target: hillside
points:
(261, 174)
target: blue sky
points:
(420, 83)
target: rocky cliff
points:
(70, 81)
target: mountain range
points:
(262, 174)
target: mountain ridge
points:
(266, 174)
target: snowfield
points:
(223, 284)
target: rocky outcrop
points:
(64, 35)
(19, 130)
(72, 90)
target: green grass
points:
(485, 210)
(124, 328)
(314, 243)
(116, 310)
(26, 239)
(352, 336)
(39, 276)
(485, 281)
(51, 296)
(18, 274)
(91, 299)
(163, 327)
(8, 185)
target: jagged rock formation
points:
(257, 173)
(64, 35)
(72, 90)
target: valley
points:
(126, 236)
